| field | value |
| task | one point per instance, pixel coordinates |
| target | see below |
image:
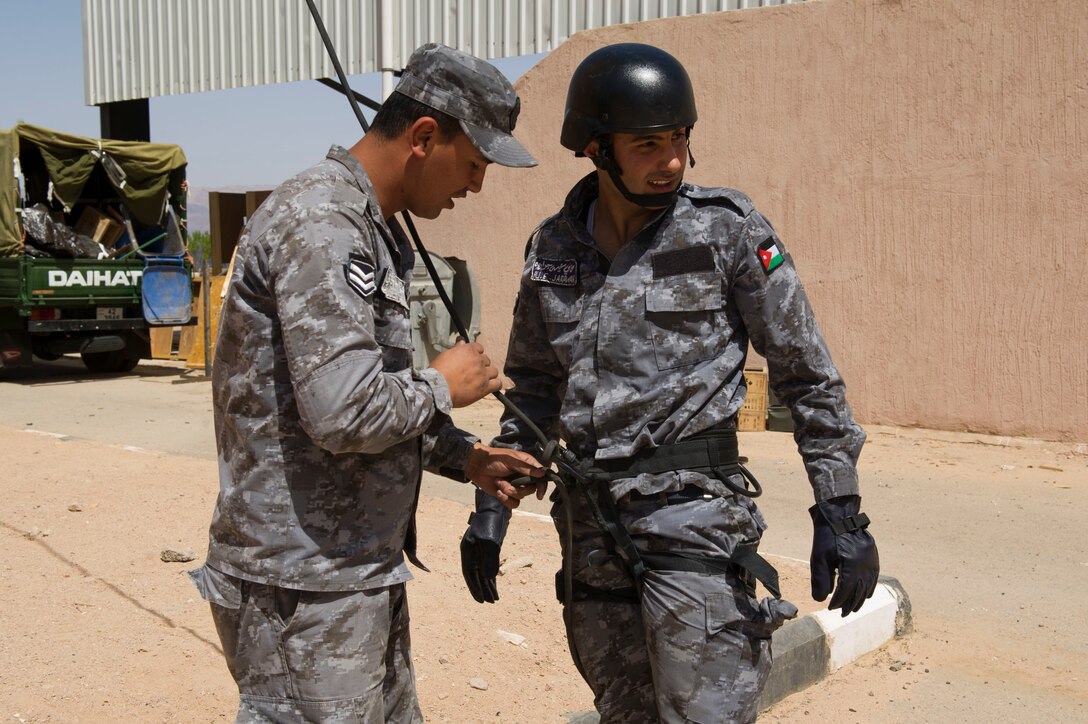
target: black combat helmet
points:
(627, 88)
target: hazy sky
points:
(247, 136)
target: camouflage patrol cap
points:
(475, 93)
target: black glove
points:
(840, 542)
(480, 547)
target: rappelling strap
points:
(718, 450)
(713, 453)
(745, 563)
(585, 592)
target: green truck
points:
(92, 247)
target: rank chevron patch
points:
(360, 276)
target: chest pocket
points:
(683, 314)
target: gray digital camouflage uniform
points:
(319, 417)
(649, 350)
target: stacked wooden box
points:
(753, 414)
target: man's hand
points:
(491, 468)
(468, 372)
(840, 542)
(480, 547)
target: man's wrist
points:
(475, 460)
(457, 463)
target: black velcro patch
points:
(682, 261)
(558, 272)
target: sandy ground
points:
(100, 628)
(105, 630)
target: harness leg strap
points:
(743, 557)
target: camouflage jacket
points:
(319, 415)
(650, 348)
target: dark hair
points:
(398, 112)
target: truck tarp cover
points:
(144, 182)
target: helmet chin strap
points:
(604, 161)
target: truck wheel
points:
(121, 360)
(116, 361)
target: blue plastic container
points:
(167, 291)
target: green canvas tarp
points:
(10, 237)
(143, 174)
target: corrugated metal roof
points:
(148, 48)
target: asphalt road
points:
(162, 406)
(986, 534)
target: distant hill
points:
(197, 212)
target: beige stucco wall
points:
(923, 160)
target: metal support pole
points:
(206, 298)
(385, 47)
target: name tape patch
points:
(558, 272)
(393, 289)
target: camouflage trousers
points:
(693, 647)
(304, 656)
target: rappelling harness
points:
(713, 454)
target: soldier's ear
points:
(593, 149)
(423, 135)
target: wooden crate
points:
(752, 416)
(192, 338)
(162, 343)
(98, 226)
(751, 420)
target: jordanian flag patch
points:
(770, 256)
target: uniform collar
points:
(396, 240)
(358, 174)
(583, 194)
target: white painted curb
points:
(809, 648)
(865, 630)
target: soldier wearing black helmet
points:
(637, 305)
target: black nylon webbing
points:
(712, 453)
(743, 557)
(716, 452)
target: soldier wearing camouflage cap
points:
(323, 426)
(637, 304)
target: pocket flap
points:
(689, 292)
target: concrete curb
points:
(811, 647)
